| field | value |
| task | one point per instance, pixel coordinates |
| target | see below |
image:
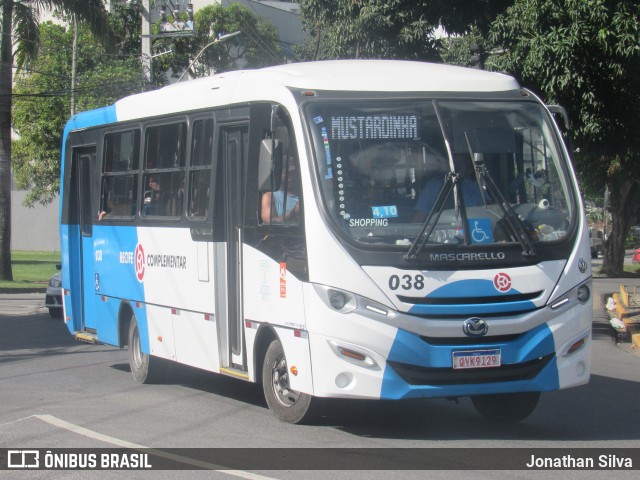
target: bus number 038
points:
(406, 282)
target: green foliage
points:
(456, 50)
(401, 29)
(42, 102)
(633, 238)
(585, 55)
(368, 29)
(257, 45)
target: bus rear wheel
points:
(506, 407)
(144, 367)
(287, 404)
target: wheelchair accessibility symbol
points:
(481, 230)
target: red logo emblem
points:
(283, 279)
(502, 282)
(139, 258)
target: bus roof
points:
(273, 83)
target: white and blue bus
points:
(346, 229)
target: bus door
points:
(234, 143)
(83, 269)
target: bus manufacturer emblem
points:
(475, 327)
(502, 282)
(139, 256)
(582, 265)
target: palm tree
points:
(19, 42)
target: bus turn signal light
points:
(576, 346)
(352, 354)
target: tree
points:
(42, 99)
(389, 28)
(19, 41)
(257, 45)
(456, 50)
(585, 55)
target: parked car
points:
(53, 298)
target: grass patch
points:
(633, 268)
(31, 269)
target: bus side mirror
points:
(270, 165)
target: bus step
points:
(234, 372)
(86, 337)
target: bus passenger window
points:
(200, 168)
(119, 196)
(164, 194)
(164, 170)
(199, 193)
(119, 177)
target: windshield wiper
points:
(485, 181)
(431, 220)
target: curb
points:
(24, 290)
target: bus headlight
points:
(347, 302)
(581, 293)
(337, 300)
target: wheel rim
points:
(280, 383)
(135, 349)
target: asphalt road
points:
(56, 392)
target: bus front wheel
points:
(506, 407)
(287, 404)
(144, 367)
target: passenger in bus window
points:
(152, 197)
(273, 210)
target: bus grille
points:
(461, 300)
(415, 375)
(455, 341)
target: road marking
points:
(50, 419)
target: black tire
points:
(55, 312)
(144, 367)
(506, 407)
(286, 404)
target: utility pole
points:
(147, 64)
(74, 64)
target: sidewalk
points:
(12, 304)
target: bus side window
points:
(283, 206)
(164, 170)
(200, 168)
(119, 175)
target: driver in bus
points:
(272, 209)
(471, 192)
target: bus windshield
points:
(454, 172)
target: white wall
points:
(34, 229)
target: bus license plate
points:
(476, 359)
